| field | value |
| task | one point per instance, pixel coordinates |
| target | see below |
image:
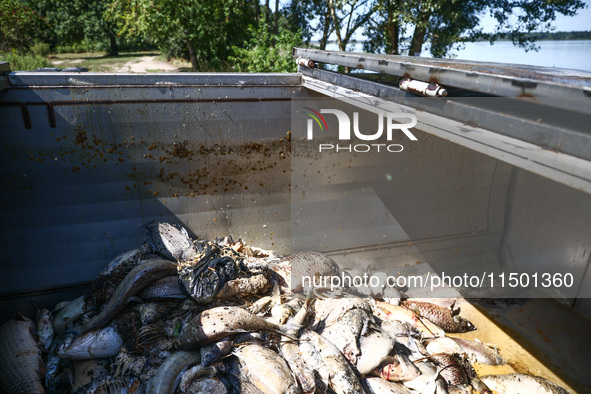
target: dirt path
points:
(145, 63)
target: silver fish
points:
(310, 264)
(69, 314)
(381, 386)
(397, 368)
(216, 323)
(426, 382)
(266, 369)
(170, 242)
(324, 357)
(330, 310)
(451, 370)
(521, 383)
(475, 351)
(345, 333)
(167, 378)
(101, 343)
(21, 367)
(44, 328)
(375, 346)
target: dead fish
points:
(165, 288)
(21, 366)
(446, 318)
(303, 374)
(375, 346)
(330, 310)
(214, 351)
(170, 242)
(167, 378)
(101, 343)
(451, 370)
(234, 375)
(255, 284)
(216, 323)
(479, 386)
(310, 264)
(397, 368)
(281, 313)
(138, 278)
(332, 367)
(410, 347)
(44, 328)
(473, 350)
(190, 376)
(426, 382)
(151, 312)
(266, 369)
(393, 312)
(345, 333)
(69, 314)
(381, 386)
(521, 383)
(208, 385)
(396, 328)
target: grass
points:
(25, 62)
(97, 62)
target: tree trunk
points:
(257, 10)
(418, 37)
(337, 25)
(192, 55)
(325, 30)
(267, 12)
(393, 28)
(113, 49)
(276, 29)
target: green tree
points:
(265, 52)
(445, 23)
(207, 29)
(72, 21)
(19, 26)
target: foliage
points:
(74, 22)
(207, 29)
(24, 62)
(266, 53)
(19, 26)
(40, 49)
(445, 23)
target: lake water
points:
(574, 54)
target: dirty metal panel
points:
(499, 79)
(150, 79)
(539, 123)
(566, 169)
(547, 230)
(84, 168)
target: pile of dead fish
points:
(186, 316)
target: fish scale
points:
(21, 367)
(443, 317)
(310, 264)
(170, 242)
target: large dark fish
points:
(134, 282)
(21, 367)
(167, 287)
(170, 242)
(167, 378)
(446, 318)
(216, 323)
